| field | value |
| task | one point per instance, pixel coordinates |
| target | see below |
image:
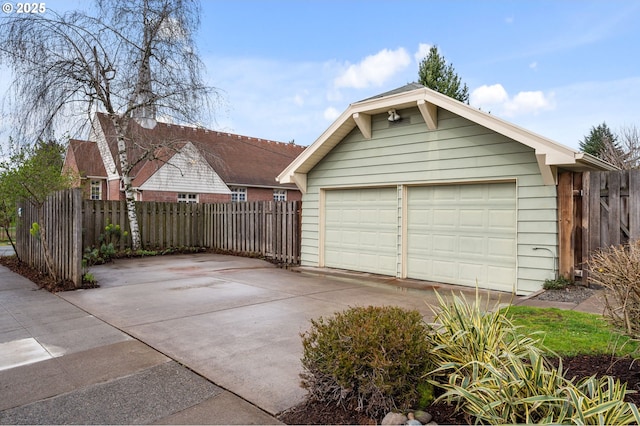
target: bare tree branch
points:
(136, 57)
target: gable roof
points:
(84, 157)
(550, 154)
(187, 172)
(238, 160)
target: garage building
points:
(414, 184)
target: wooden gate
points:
(595, 210)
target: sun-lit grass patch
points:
(569, 333)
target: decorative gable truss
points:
(186, 171)
(549, 154)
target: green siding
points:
(459, 150)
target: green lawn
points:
(570, 333)
(3, 236)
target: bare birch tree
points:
(133, 60)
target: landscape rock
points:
(394, 419)
(412, 420)
(422, 416)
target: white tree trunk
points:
(126, 182)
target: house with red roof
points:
(173, 163)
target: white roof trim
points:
(550, 154)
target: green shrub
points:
(107, 246)
(464, 333)
(498, 376)
(371, 359)
(513, 390)
(88, 278)
(617, 269)
(559, 283)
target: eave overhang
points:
(550, 155)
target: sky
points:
(287, 69)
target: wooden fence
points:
(266, 228)
(263, 228)
(260, 228)
(162, 225)
(596, 210)
(61, 217)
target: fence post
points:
(634, 205)
(76, 237)
(566, 224)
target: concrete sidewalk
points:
(61, 365)
(234, 322)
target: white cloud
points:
(423, 51)
(374, 70)
(496, 99)
(529, 103)
(533, 65)
(330, 114)
(485, 96)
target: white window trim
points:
(279, 195)
(238, 193)
(95, 184)
(185, 197)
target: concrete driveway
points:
(235, 321)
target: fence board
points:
(62, 233)
(608, 215)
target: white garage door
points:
(463, 234)
(361, 230)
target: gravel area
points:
(573, 293)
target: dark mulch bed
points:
(624, 369)
(43, 281)
(316, 413)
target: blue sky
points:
(287, 69)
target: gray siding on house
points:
(459, 151)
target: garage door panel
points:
(501, 278)
(360, 230)
(501, 247)
(469, 272)
(443, 270)
(472, 231)
(472, 218)
(506, 191)
(503, 218)
(471, 193)
(445, 218)
(444, 243)
(472, 245)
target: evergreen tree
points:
(599, 141)
(435, 74)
